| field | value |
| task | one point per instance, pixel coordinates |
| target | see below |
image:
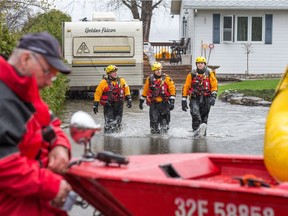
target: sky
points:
(163, 26)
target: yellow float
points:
(276, 133)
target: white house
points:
(235, 28)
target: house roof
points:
(229, 4)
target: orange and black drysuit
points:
(110, 93)
(159, 93)
(201, 87)
(28, 132)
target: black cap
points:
(46, 45)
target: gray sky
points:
(163, 28)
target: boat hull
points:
(181, 184)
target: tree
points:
(50, 21)
(7, 39)
(137, 7)
(13, 15)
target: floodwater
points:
(232, 129)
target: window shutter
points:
(268, 28)
(216, 28)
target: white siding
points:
(263, 58)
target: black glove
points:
(184, 105)
(171, 104)
(129, 103)
(212, 101)
(95, 107)
(141, 104)
(212, 98)
(48, 133)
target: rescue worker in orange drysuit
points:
(201, 87)
(110, 93)
(159, 91)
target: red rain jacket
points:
(26, 186)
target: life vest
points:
(157, 87)
(200, 84)
(112, 93)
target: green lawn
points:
(259, 88)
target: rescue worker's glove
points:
(184, 105)
(141, 101)
(129, 101)
(212, 98)
(171, 104)
(95, 107)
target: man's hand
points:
(64, 189)
(184, 105)
(58, 159)
(95, 107)
(141, 104)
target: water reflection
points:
(159, 145)
(199, 145)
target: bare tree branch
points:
(16, 12)
(156, 4)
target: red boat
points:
(181, 184)
(176, 184)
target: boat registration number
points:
(191, 207)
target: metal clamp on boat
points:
(110, 157)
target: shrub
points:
(55, 95)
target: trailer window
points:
(103, 46)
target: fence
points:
(162, 50)
(170, 51)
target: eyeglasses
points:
(200, 63)
(46, 71)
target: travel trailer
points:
(90, 46)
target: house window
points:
(227, 28)
(242, 28)
(249, 29)
(257, 28)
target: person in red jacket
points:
(34, 151)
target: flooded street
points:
(232, 129)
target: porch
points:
(174, 58)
